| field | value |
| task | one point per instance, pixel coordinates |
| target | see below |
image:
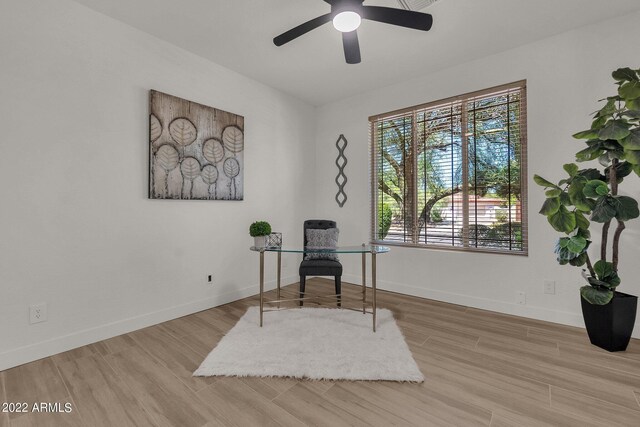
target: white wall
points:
(76, 228)
(566, 75)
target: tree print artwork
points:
(213, 150)
(190, 169)
(182, 131)
(232, 169)
(233, 139)
(167, 158)
(196, 152)
(155, 128)
(210, 177)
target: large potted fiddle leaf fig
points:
(589, 199)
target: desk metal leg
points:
(373, 287)
(261, 285)
(279, 275)
(364, 282)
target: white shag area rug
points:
(314, 343)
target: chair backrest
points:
(321, 224)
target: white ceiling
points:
(238, 35)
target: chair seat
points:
(320, 267)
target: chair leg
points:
(339, 290)
(302, 285)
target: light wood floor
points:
(481, 368)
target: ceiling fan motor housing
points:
(338, 6)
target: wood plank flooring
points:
(481, 368)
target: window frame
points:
(520, 85)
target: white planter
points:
(260, 241)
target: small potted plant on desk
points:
(590, 196)
(259, 230)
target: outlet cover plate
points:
(550, 287)
(37, 313)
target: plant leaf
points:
(604, 210)
(632, 156)
(550, 206)
(630, 90)
(611, 145)
(605, 111)
(591, 188)
(614, 129)
(543, 182)
(554, 192)
(589, 153)
(607, 275)
(571, 169)
(599, 122)
(624, 74)
(583, 232)
(563, 220)
(632, 104)
(579, 260)
(634, 114)
(604, 160)
(603, 268)
(596, 296)
(627, 208)
(577, 244)
(576, 194)
(590, 174)
(586, 134)
(581, 221)
(632, 142)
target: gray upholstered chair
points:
(319, 267)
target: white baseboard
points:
(64, 343)
(60, 344)
(539, 313)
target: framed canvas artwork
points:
(196, 152)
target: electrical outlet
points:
(550, 287)
(521, 298)
(210, 278)
(38, 313)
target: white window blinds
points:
(452, 173)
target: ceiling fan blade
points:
(351, 47)
(301, 29)
(403, 18)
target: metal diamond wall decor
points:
(341, 178)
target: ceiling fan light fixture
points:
(346, 21)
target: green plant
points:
(613, 140)
(384, 220)
(496, 235)
(260, 228)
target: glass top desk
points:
(361, 249)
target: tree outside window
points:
(450, 173)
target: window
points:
(452, 173)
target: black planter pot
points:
(610, 326)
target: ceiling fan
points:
(347, 15)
